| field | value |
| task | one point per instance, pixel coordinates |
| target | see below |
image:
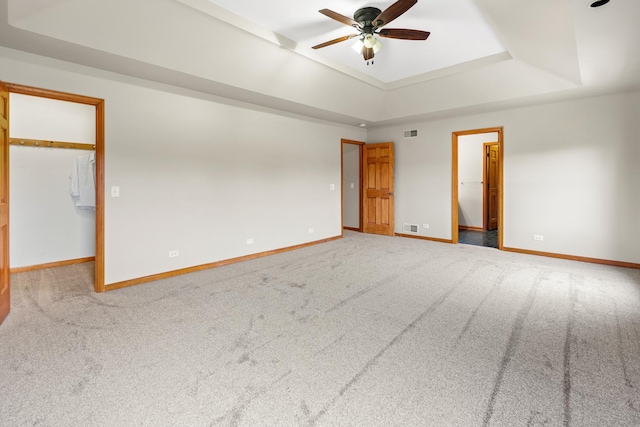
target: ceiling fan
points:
(369, 21)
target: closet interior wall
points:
(46, 227)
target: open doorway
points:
(477, 189)
(352, 185)
(50, 142)
(96, 145)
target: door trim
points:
(98, 284)
(5, 212)
(360, 144)
(454, 181)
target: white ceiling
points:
(459, 34)
(555, 50)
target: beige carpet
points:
(366, 331)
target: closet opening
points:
(56, 193)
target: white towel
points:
(83, 181)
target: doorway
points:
(99, 164)
(51, 141)
(351, 160)
(477, 190)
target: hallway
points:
(479, 238)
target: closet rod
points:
(50, 144)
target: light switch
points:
(353, 185)
(332, 187)
(115, 191)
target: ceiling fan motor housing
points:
(365, 16)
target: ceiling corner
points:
(553, 49)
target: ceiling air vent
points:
(410, 133)
(410, 228)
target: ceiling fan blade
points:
(334, 41)
(368, 53)
(404, 34)
(340, 18)
(392, 12)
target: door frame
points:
(454, 181)
(98, 103)
(5, 276)
(360, 144)
(485, 184)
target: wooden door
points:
(491, 186)
(378, 188)
(4, 202)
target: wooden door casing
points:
(5, 298)
(378, 194)
(99, 285)
(454, 181)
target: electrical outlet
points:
(537, 237)
(425, 225)
(173, 254)
(249, 241)
(311, 230)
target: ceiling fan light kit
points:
(369, 21)
(371, 42)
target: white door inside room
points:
(47, 227)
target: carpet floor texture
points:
(361, 331)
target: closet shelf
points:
(50, 144)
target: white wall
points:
(351, 178)
(33, 117)
(197, 175)
(45, 225)
(201, 47)
(570, 175)
(470, 175)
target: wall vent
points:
(410, 228)
(410, 133)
